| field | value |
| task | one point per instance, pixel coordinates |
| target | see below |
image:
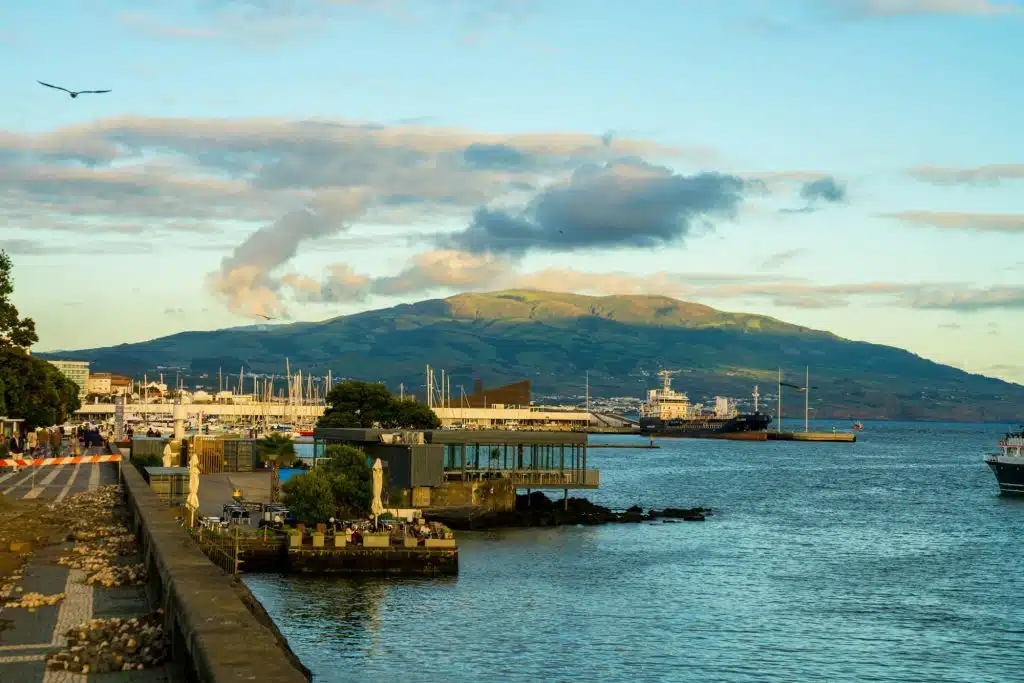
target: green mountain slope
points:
(553, 339)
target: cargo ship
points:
(667, 412)
(1008, 463)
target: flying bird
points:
(73, 93)
(265, 316)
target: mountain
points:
(554, 339)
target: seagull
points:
(71, 92)
(265, 316)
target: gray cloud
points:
(823, 190)
(782, 258)
(968, 299)
(989, 174)
(253, 170)
(626, 203)
(452, 270)
(816, 191)
(499, 156)
(962, 220)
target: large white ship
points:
(667, 412)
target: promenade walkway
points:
(26, 637)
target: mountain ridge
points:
(553, 339)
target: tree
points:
(358, 404)
(310, 496)
(365, 404)
(351, 477)
(15, 332)
(341, 486)
(30, 389)
(34, 390)
(412, 415)
(279, 450)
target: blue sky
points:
(304, 159)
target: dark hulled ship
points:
(667, 412)
(1008, 463)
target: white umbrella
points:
(193, 485)
(377, 507)
(168, 455)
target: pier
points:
(818, 437)
(243, 551)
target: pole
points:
(807, 391)
(588, 393)
(778, 422)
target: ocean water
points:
(892, 559)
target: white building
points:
(77, 371)
(500, 417)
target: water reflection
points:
(893, 559)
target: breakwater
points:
(215, 637)
(537, 510)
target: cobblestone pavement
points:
(26, 637)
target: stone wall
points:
(214, 636)
(498, 495)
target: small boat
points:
(858, 426)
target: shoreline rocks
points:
(537, 510)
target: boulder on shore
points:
(537, 509)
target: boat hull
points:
(1009, 475)
(750, 427)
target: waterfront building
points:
(77, 371)
(478, 468)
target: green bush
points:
(310, 496)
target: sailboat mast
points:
(778, 422)
(430, 394)
(807, 392)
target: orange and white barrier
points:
(73, 460)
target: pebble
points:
(105, 645)
(100, 539)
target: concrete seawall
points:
(214, 636)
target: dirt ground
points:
(26, 522)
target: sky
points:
(848, 165)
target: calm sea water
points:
(892, 559)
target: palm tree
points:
(279, 450)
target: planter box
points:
(376, 541)
(410, 542)
(318, 540)
(294, 540)
(340, 541)
(439, 542)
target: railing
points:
(524, 478)
(226, 548)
